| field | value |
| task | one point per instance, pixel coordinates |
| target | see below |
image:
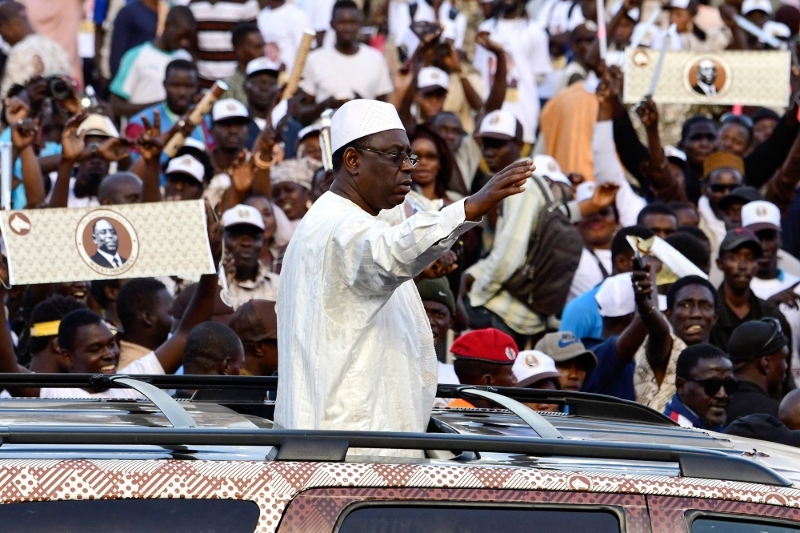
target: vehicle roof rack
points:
(308, 445)
(581, 404)
(535, 421)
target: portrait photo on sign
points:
(707, 76)
(107, 244)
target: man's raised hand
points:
(507, 182)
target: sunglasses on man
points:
(711, 386)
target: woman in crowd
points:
(433, 171)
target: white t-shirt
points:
(329, 73)
(147, 365)
(559, 16)
(528, 56)
(140, 79)
(589, 274)
(282, 29)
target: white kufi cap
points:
(359, 118)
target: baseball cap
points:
(228, 108)
(615, 296)
(186, 164)
(191, 142)
(316, 127)
(532, 366)
(437, 290)
(748, 6)
(564, 346)
(255, 321)
(742, 194)
(740, 237)
(489, 345)
(98, 125)
(776, 29)
(242, 214)
(585, 190)
(432, 79)
(766, 427)
(632, 14)
(499, 124)
(756, 338)
(670, 152)
(760, 215)
(261, 64)
(719, 160)
(680, 4)
(548, 167)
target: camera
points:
(59, 87)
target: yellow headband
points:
(45, 329)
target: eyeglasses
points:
(711, 386)
(397, 158)
(719, 187)
(744, 120)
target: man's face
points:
(573, 374)
(244, 243)
(778, 365)
(261, 89)
(624, 30)
(693, 314)
(440, 319)
(709, 407)
(504, 377)
(163, 316)
(381, 181)
(181, 86)
(182, 187)
(499, 153)
(105, 237)
(449, 127)
(734, 138)
(251, 47)
(720, 183)
(310, 147)
(662, 225)
(701, 140)
(95, 351)
(687, 216)
(581, 41)
(431, 103)
(230, 135)
(179, 36)
(589, 9)
(235, 363)
(92, 171)
(124, 191)
(732, 216)
(757, 17)
(770, 244)
(346, 23)
(763, 129)
(707, 72)
(598, 228)
(739, 267)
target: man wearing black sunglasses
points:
(759, 351)
(704, 386)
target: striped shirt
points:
(215, 22)
(511, 242)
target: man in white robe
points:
(356, 349)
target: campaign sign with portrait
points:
(123, 241)
(725, 78)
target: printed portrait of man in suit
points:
(105, 237)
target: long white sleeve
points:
(607, 169)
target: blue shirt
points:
(612, 377)
(18, 198)
(582, 316)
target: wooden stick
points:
(299, 64)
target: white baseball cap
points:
(186, 164)
(681, 4)
(748, 6)
(632, 13)
(261, 64)
(316, 127)
(672, 152)
(191, 142)
(615, 296)
(548, 167)
(760, 215)
(499, 124)
(359, 118)
(242, 214)
(531, 366)
(228, 108)
(432, 79)
(585, 190)
(776, 29)
(99, 125)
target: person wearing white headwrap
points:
(291, 187)
(356, 347)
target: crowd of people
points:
(652, 256)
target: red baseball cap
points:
(490, 345)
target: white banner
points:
(123, 241)
(756, 78)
